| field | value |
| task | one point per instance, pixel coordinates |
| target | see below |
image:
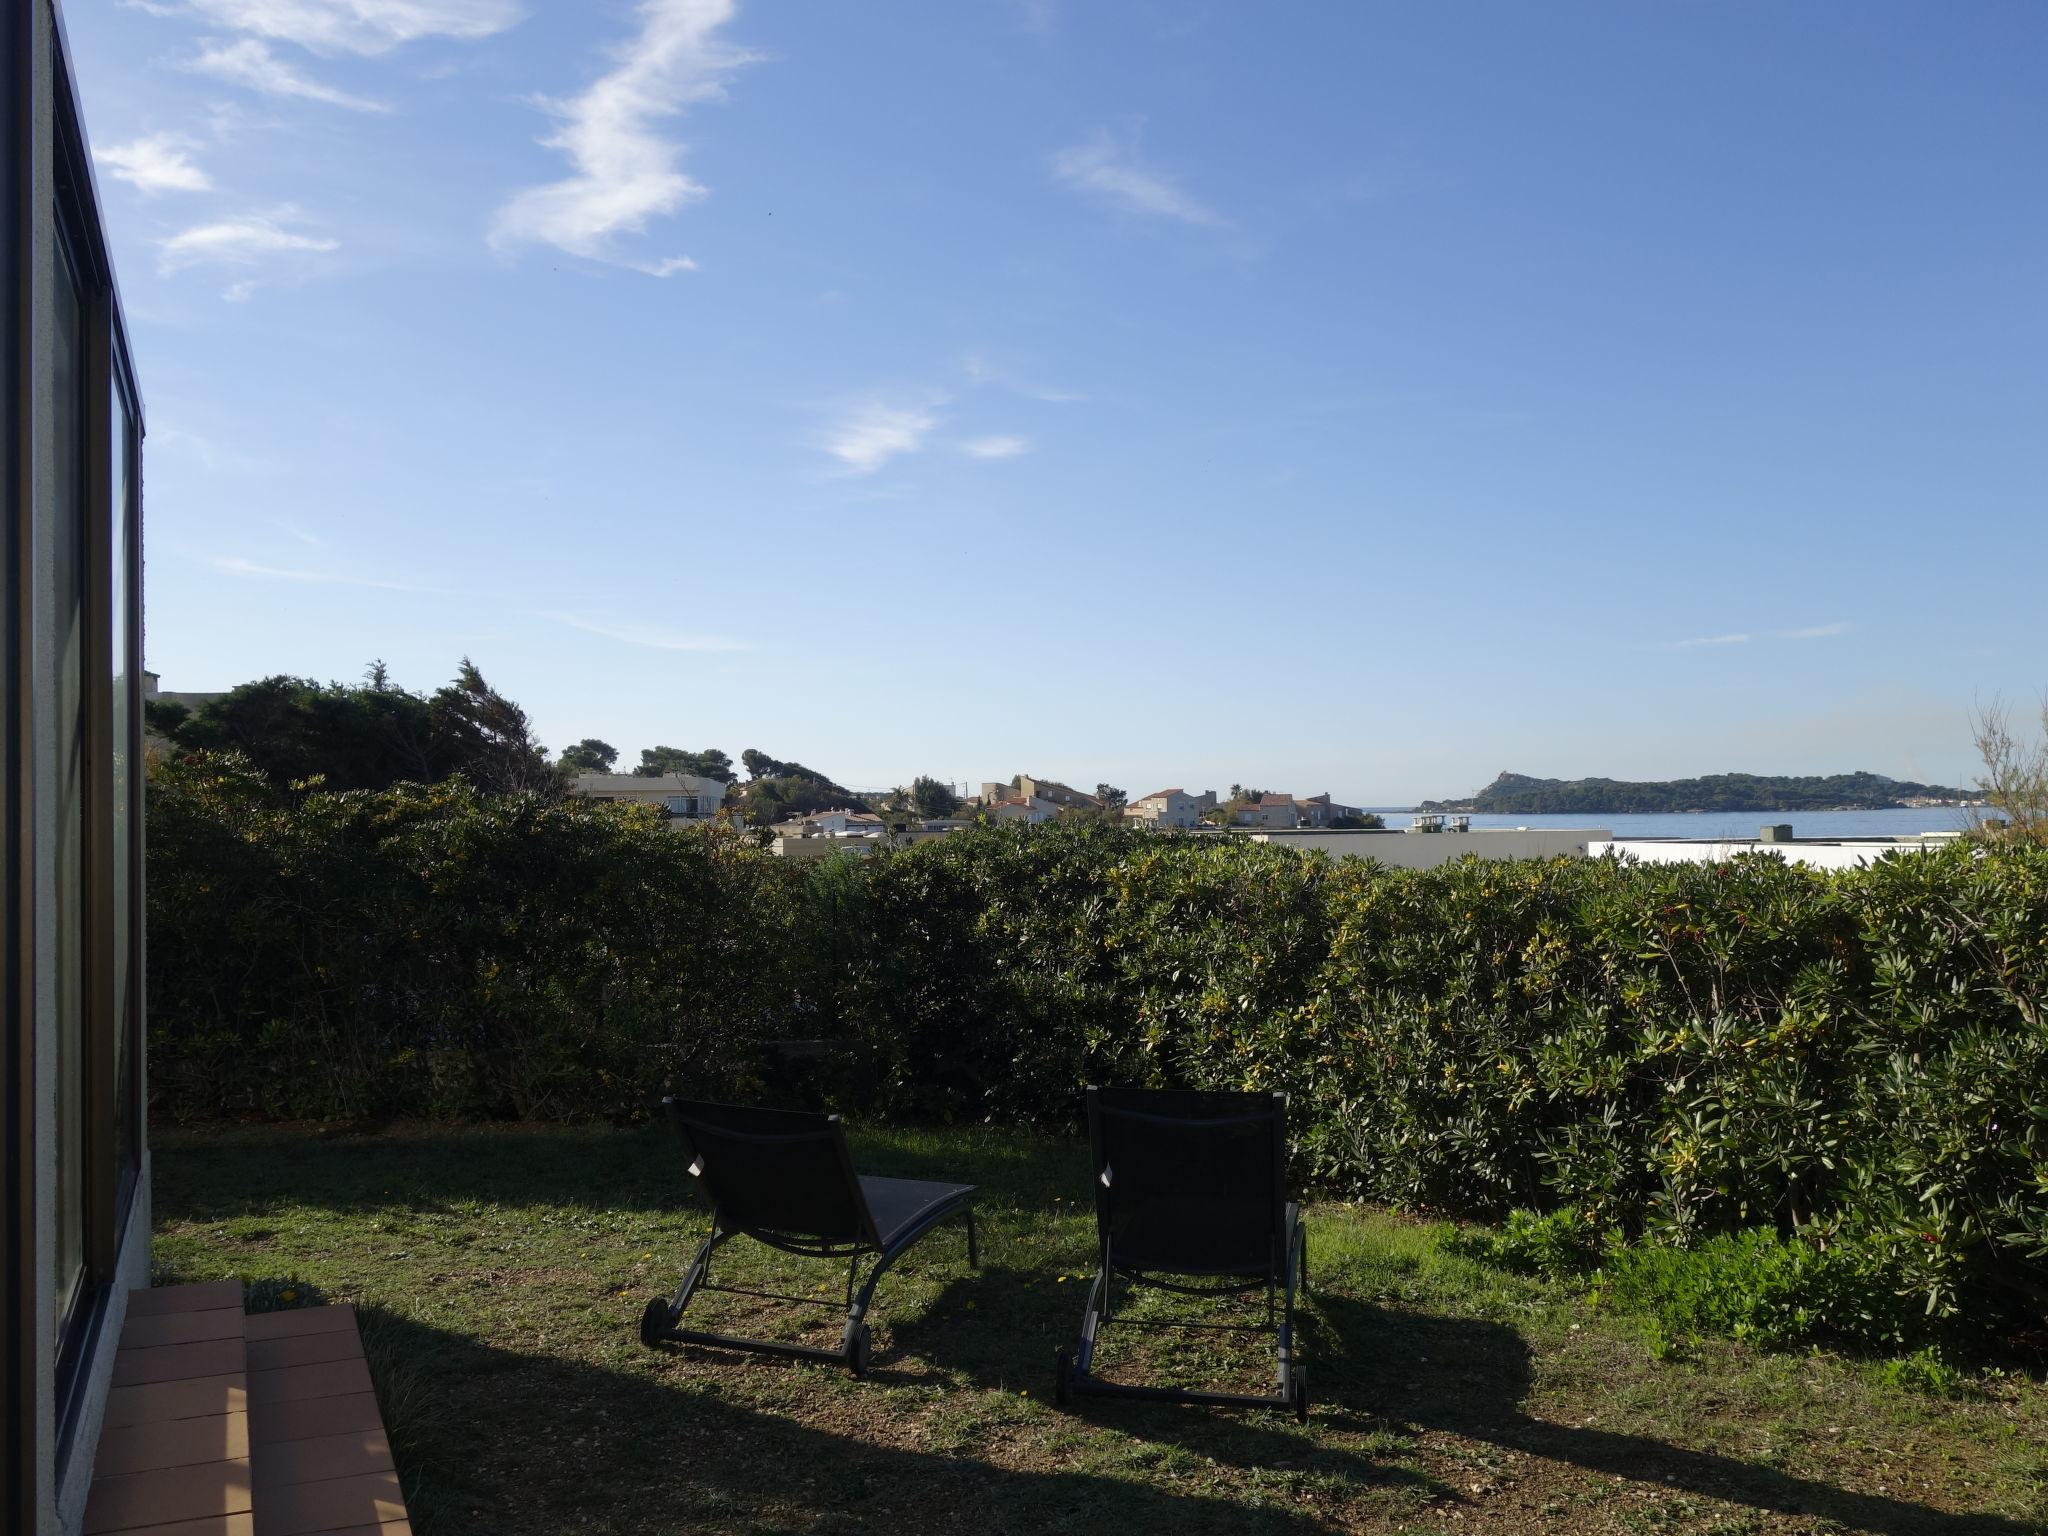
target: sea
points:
(1933, 818)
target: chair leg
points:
(661, 1315)
(1091, 1320)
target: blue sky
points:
(1352, 397)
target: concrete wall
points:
(1426, 850)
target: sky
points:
(1362, 398)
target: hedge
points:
(1680, 1050)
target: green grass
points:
(503, 1271)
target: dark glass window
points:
(66, 529)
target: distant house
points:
(1028, 809)
(844, 823)
(1322, 811)
(1060, 797)
(1164, 809)
(1268, 811)
(683, 797)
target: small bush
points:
(1556, 1245)
(1767, 1290)
(280, 1293)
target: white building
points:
(1815, 852)
(683, 797)
(1165, 809)
(1421, 848)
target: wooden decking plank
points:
(336, 1503)
(315, 1416)
(276, 1325)
(166, 1494)
(330, 1378)
(321, 1457)
(243, 1524)
(181, 1327)
(178, 1362)
(304, 1349)
(185, 1298)
(197, 1398)
(172, 1443)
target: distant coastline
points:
(1515, 794)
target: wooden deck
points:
(225, 1424)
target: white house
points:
(1269, 811)
(1165, 809)
(1028, 809)
(683, 797)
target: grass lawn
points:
(503, 1272)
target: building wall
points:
(1815, 855)
(1426, 850)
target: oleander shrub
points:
(1676, 1053)
(1768, 1290)
(431, 950)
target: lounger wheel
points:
(655, 1322)
(1062, 1377)
(860, 1348)
(1300, 1394)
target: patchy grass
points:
(502, 1273)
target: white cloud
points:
(235, 565)
(1108, 168)
(158, 163)
(873, 434)
(356, 26)
(1711, 640)
(244, 241)
(997, 447)
(625, 172)
(651, 636)
(1817, 631)
(249, 62)
(668, 267)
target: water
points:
(1933, 818)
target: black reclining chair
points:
(786, 1179)
(1190, 1196)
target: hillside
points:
(1515, 794)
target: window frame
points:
(110, 1182)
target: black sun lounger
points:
(786, 1179)
(1190, 1196)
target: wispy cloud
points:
(1108, 168)
(159, 163)
(626, 172)
(871, 435)
(252, 240)
(1816, 631)
(1001, 446)
(653, 637)
(235, 565)
(1711, 640)
(249, 62)
(365, 27)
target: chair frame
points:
(660, 1323)
(1282, 1281)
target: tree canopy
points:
(589, 756)
(708, 764)
(369, 736)
(932, 797)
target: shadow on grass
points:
(1469, 1378)
(513, 1441)
(497, 1440)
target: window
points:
(66, 530)
(87, 517)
